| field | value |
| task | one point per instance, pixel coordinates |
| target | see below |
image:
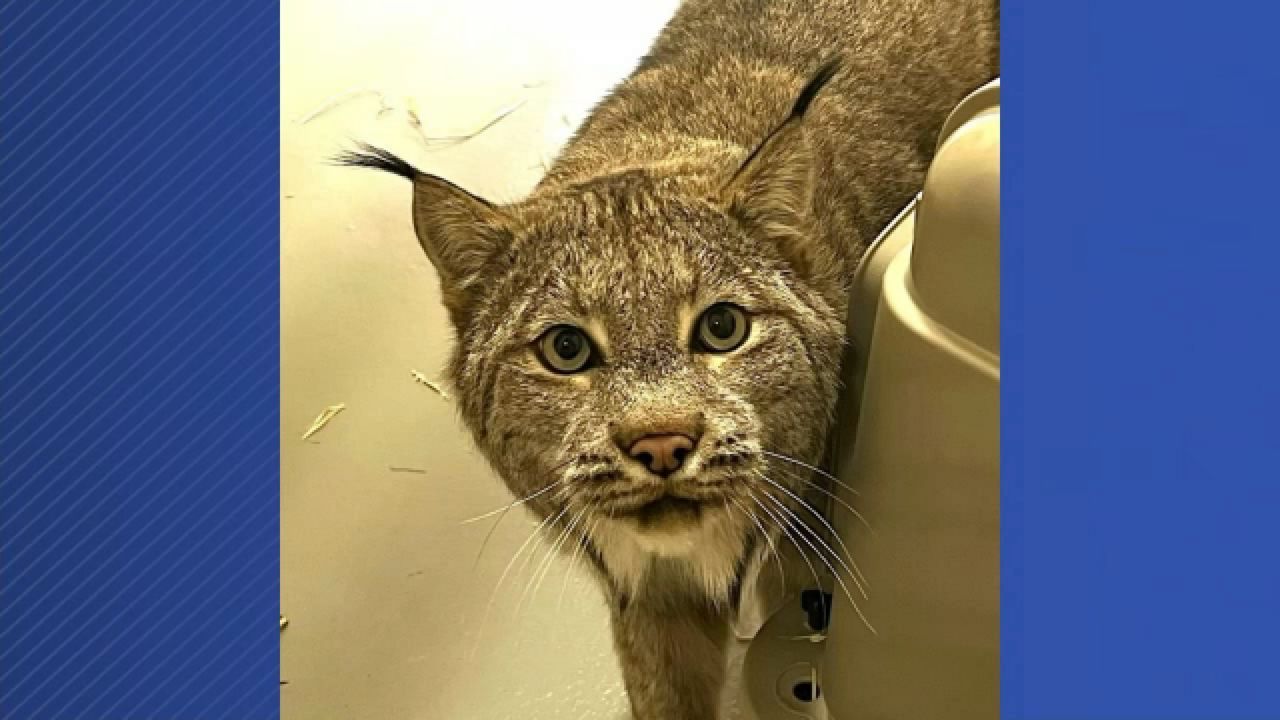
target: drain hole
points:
(806, 691)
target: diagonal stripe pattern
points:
(139, 359)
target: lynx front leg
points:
(673, 658)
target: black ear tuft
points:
(798, 109)
(461, 233)
(369, 156)
(771, 192)
(814, 86)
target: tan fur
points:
(648, 217)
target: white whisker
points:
(585, 537)
(551, 554)
(820, 471)
(789, 536)
(839, 578)
(494, 595)
(777, 557)
(855, 570)
(833, 496)
(533, 575)
(510, 505)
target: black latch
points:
(817, 605)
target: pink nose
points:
(662, 454)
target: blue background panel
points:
(1140, 359)
(139, 495)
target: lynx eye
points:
(565, 349)
(721, 329)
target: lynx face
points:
(630, 358)
(639, 352)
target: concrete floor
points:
(379, 578)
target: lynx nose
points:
(662, 454)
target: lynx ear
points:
(461, 233)
(772, 191)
